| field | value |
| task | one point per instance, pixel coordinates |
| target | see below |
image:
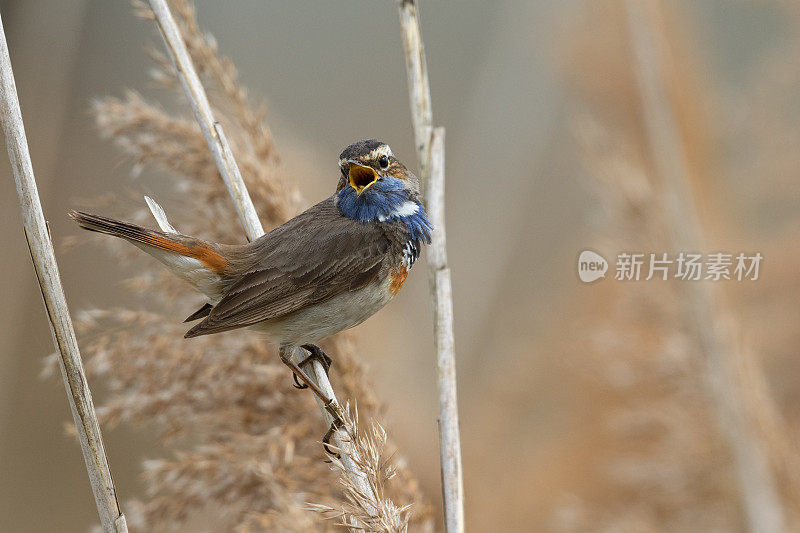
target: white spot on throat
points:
(406, 209)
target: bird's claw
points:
(316, 353)
(297, 384)
(326, 440)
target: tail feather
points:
(125, 230)
(200, 263)
(182, 245)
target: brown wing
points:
(310, 258)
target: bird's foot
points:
(304, 381)
(315, 354)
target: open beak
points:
(361, 178)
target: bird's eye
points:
(383, 161)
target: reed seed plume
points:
(370, 445)
(240, 438)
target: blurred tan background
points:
(513, 82)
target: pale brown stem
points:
(44, 263)
(419, 91)
(430, 152)
(441, 293)
(212, 130)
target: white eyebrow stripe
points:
(379, 151)
(406, 209)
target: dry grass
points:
(370, 447)
(240, 438)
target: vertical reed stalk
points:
(44, 263)
(430, 152)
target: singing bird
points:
(326, 270)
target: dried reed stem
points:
(756, 480)
(44, 263)
(229, 170)
(419, 90)
(430, 152)
(212, 131)
(441, 293)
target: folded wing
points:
(315, 256)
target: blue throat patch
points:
(380, 202)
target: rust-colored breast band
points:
(398, 278)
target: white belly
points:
(329, 317)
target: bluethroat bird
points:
(326, 270)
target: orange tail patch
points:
(199, 250)
(180, 244)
